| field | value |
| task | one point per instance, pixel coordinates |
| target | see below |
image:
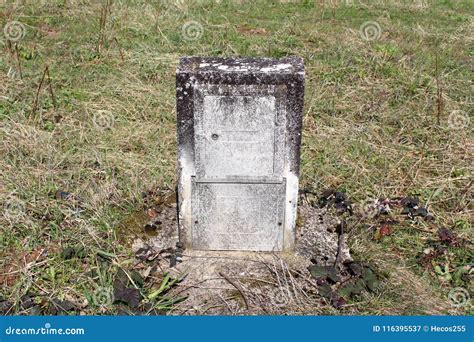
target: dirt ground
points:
(217, 282)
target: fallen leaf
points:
(446, 235)
(324, 272)
(370, 279)
(412, 208)
(152, 213)
(124, 294)
(355, 269)
(129, 296)
(429, 254)
(420, 211)
(324, 290)
(63, 305)
(336, 300)
(352, 289)
(382, 231)
(137, 278)
(410, 202)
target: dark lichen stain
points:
(133, 226)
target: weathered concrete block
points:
(239, 133)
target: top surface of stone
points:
(288, 65)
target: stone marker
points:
(239, 133)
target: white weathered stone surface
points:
(239, 133)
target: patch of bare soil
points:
(243, 283)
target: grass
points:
(383, 118)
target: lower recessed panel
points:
(238, 216)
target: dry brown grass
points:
(370, 124)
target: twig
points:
(226, 303)
(120, 49)
(9, 47)
(18, 61)
(50, 86)
(213, 306)
(102, 22)
(294, 285)
(35, 104)
(439, 91)
(283, 271)
(53, 98)
(339, 244)
(238, 289)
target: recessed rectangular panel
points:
(238, 216)
(239, 135)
